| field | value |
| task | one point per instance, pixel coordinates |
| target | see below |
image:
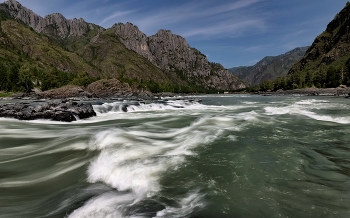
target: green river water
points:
(227, 156)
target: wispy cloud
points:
(256, 48)
(115, 15)
(203, 19)
(230, 7)
(228, 29)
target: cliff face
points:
(124, 52)
(54, 24)
(331, 48)
(269, 68)
(172, 53)
(133, 39)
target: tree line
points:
(331, 77)
(16, 78)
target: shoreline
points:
(341, 91)
(76, 93)
(71, 103)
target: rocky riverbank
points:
(58, 110)
(101, 89)
(341, 91)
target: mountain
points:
(269, 68)
(329, 55)
(171, 53)
(163, 61)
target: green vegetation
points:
(5, 94)
(31, 60)
(23, 78)
(326, 63)
(331, 77)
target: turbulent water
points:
(227, 156)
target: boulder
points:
(59, 110)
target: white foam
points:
(277, 110)
(108, 205)
(159, 107)
(303, 108)
(117, 107)
(341, 120)
(311, 101)
(133, 160)
(188, 204)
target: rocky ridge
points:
(170, 61)
(54, 24)
(269, 68)
(133, 39)
(171, 52)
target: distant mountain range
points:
(269, 68)
(164, 61)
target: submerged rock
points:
(59, 110)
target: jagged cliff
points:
(269, 68)
(54, 24)
(133, 39)
(330, 49)
(172, 53)
(124, 52)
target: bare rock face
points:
(53, 24)
(171, 52)
(24, 14)
(133, 39)
(63, 27)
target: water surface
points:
(228, 156)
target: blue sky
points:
(230, 32)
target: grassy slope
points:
(115, 60)
(331, 48)
(105, 57)
(21, 45)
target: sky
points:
(230, 32)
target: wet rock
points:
(125, 108)
(58, 110)
(63, 116)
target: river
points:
(227, 156)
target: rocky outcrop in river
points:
(59, 110)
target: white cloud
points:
(206, 18)
(256, 48)
(115, 15)
(228, 29)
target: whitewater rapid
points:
(170, 157)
